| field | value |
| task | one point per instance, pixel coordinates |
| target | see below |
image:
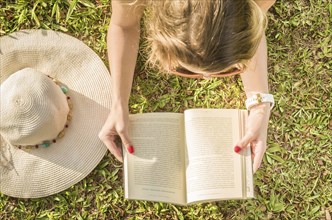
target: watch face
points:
(259, 98)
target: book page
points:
(156, 170)
(213, 169)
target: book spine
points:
(125, 176)
(247, 175)
(243, 156)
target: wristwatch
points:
(259, 98)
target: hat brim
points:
(45, 171)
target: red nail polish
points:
(237, 149)
(130, 149)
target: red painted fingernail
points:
(130, 149)
(237, 149)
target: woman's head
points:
(205, 36)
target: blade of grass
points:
(71, 9)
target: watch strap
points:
(259, 98)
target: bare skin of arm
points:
(255, 79)
(122, 44)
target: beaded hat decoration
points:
(46, 144)
(41, 112)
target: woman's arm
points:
(255, 79)
(122, 43)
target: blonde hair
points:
(206, 35)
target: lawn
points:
(295, 180)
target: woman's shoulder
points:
(127, 3)
(265, 4)
(127, 12)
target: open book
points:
(189, 157)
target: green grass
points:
(295, 180)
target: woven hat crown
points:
(33, 108)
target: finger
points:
(244, 142)
(109, 141)
(259, 153)
(252, 149)
(127, 142)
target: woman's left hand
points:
(256, 133)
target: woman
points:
(192, 38)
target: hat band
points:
(47, 143)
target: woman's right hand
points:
(122, 43)
(117, 125)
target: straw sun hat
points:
(55, 97)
